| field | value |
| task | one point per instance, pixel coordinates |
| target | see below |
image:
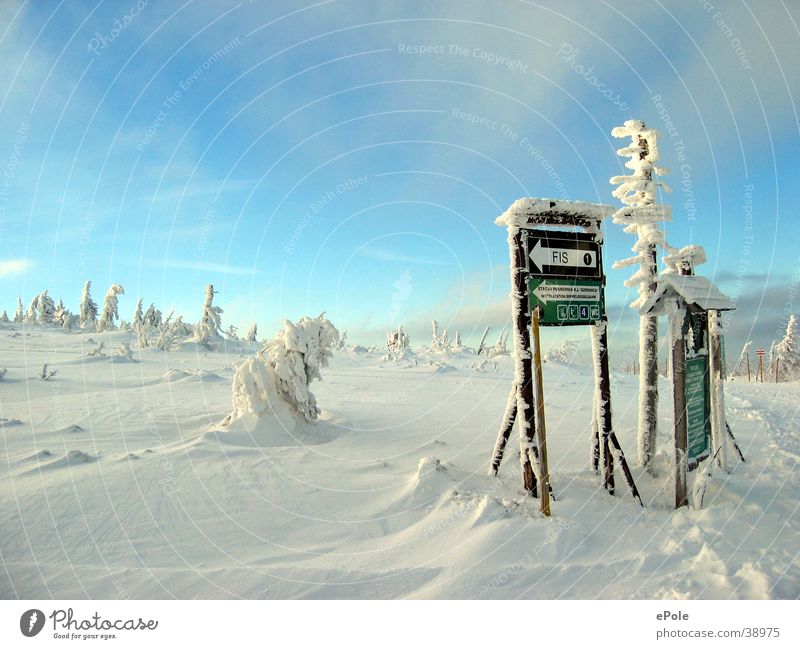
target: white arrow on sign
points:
(546, 256)
(566, 293)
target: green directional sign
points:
(566, 302)
(697, 410)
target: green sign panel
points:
(566, 302)
(697, 410)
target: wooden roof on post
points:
(697, 292)
(531, 212)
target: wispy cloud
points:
(14, 266)
(210, 267)
(384, 254)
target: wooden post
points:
(719, 438)
(776, 369)
(679, 403)
(505, 430)
(747, 358)
(541, 429)
(522, 347)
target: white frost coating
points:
(284, 368)
(693, 289)
(743, 363)
(638, 193)
(516, 215)
(719, 435)
(687, 258)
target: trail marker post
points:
(693, 304)
(557, 280)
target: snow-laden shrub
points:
(500, 348)
(440, 340)
(563, 353)
(284, 368)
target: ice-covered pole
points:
(641, 217)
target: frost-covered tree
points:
(138, 316)
(152, 317)
(459, 344)
(61, 315)
(440, 341)
(232, 332)
(285, 367)
(110, 308)
(252, 333)
(500, 348)
(19, 314)
(785, 355)
(208, 328)
(87, 312)
(397, 341)
(33, 310)
(637, 192)
(47, 308)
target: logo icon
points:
(31, 622)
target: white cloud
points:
(14, 267)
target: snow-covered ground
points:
(118, 481)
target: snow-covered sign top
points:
(521, 210)
(695, 290)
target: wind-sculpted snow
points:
(119, 483)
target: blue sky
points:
(351, 157)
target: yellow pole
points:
(541, 434)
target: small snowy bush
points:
(284, 368)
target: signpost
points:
(760, 369)
(557, 280)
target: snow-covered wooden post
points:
(679, 293)
(719, 432)
(641, 217)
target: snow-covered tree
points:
(47, 308)
(638, 192)
(459, 344)
(232, 332)
(61, 314)
(87, 313)
(440, 341)
(152, 317)
(785, 356)
(110, 308)
(252, 333)
(208, 328)
(4, 316)
(285, 367)
(398, 340)
(19, 314)
(138, 316)
(33, 309)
